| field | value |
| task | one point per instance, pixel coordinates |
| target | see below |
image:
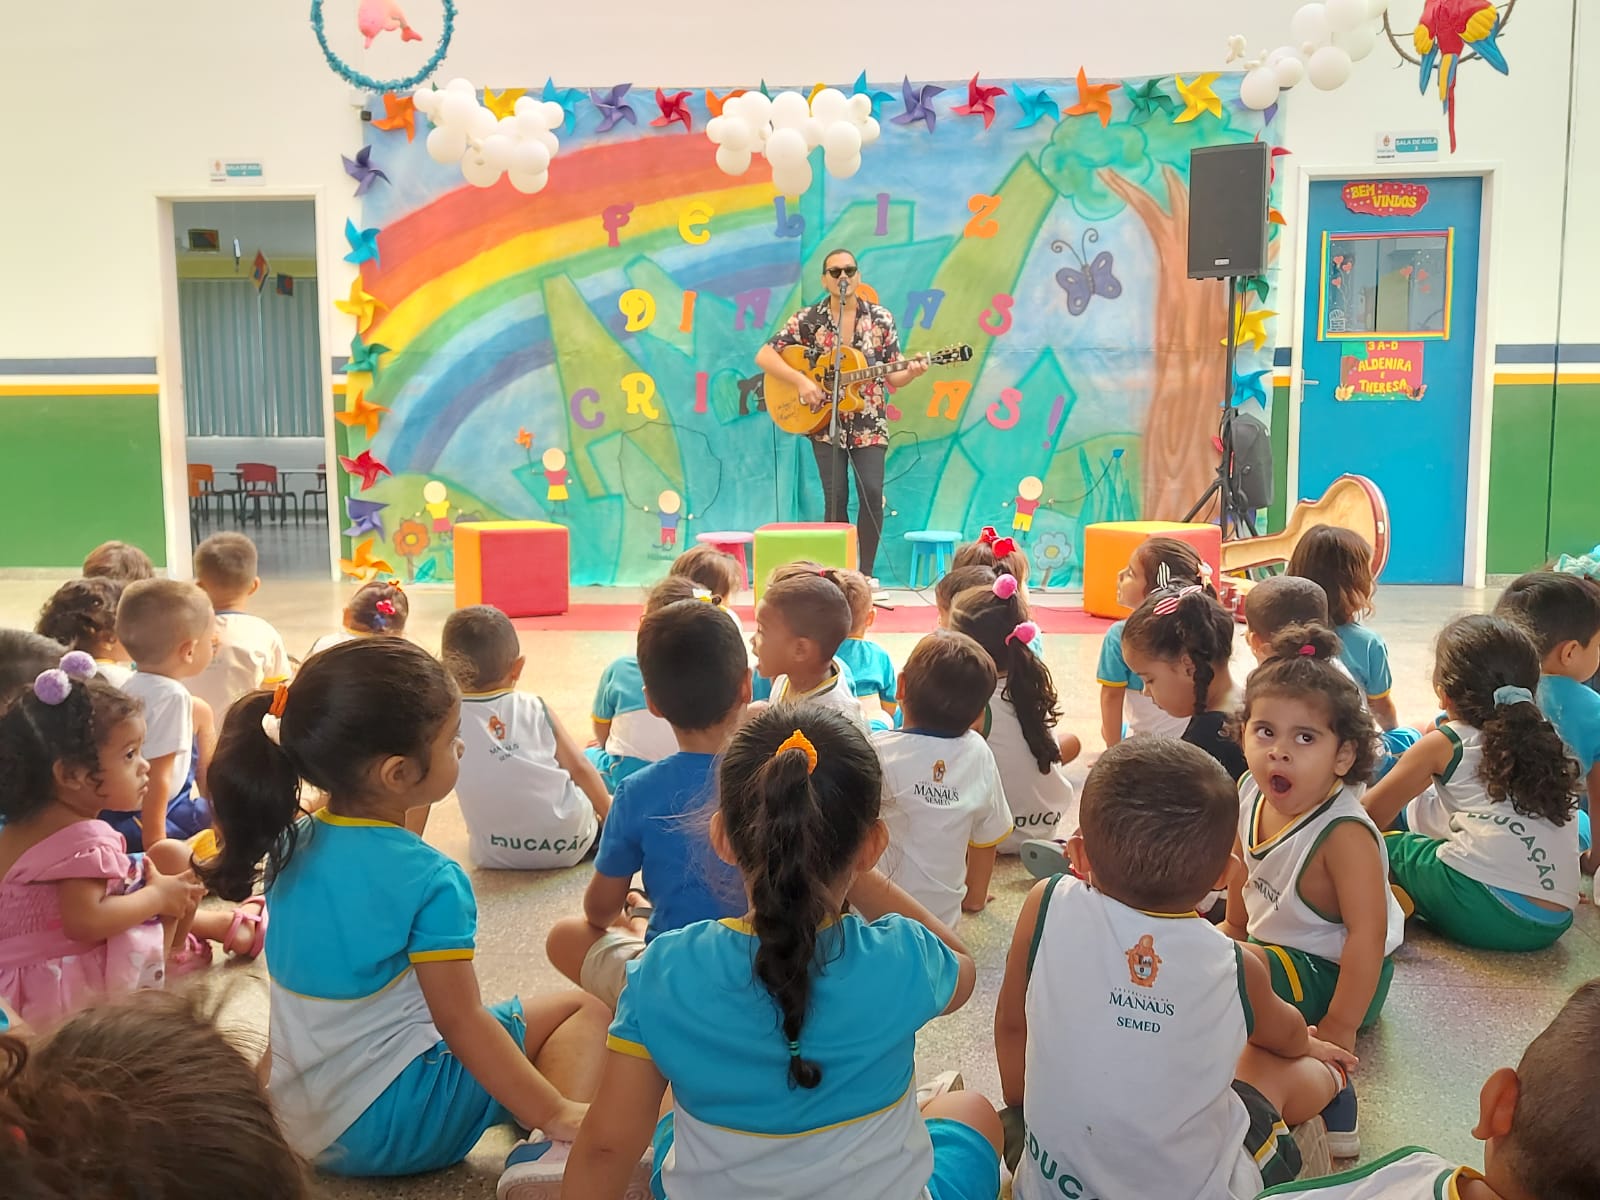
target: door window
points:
(1386, 285)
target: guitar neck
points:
(878, 372)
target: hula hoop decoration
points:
(486, 145)
(350, 75)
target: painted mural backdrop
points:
(584, 355)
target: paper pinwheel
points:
(1252, 326)
(363, 413)
(524, 438)
(1198, 97)
(363, 566)
(503, 104)
(365, 516)
(360, 304)
(363, 243)
(613, 107)
(568, 98)
(399, 112)
(365, 466)
(364, 357)
(980, 101)
(862, 89)
(715, 102)
(360, 169)
(917, 102)
(1035, 107)
(673, 109)
(1250, 387)
(1256, 284)
(1092, 98)
(1147, 101)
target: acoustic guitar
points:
(793, 415)
(1352, 502)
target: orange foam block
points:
(1109, 545)
(520, 567)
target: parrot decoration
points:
(1446, 29)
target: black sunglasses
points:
(836, 272)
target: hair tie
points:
(1003, 547)
(1308, 650)
(794, 1049)
(1024, 633)
(280, 698)
(1005, 587)
(52, 687)
(1505, 697)
(272, 719)
(1205, 571)
(988, 537)
(1168, 604)
(1163, 576)
(799, 741)
(386, 607)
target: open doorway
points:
(253, 436)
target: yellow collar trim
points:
(333, 818)
(1257, 844)
(829, 681)
(495, 695)
(740, 925)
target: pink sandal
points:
(195, 956)
(251, 912)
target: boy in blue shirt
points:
(870, 665)
(697, 677)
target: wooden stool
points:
(1108, 547)
(730, 541)
(931, 552)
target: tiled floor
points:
(1452, 1017)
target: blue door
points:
(1388, 357)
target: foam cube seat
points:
(833, 544)
(1108, 547)
(520, 567)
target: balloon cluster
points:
(1325, 39)
(785, 129)
(466, 132)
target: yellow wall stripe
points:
(79, 389)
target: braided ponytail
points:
(1187, 621)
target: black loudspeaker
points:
(1228, 210)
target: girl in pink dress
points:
(78, 914)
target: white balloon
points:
(446, 145)
(426, 100)
(510, 126)
(1376, 8)
(792, 180)
(785, 147)
(1345, 15)
(869, 131)
(1328, 68)
(843, 168)
(1278, 55)
(860, 108)
(528, 158)
(812, 130)
(1259, 88)
(526, 106)
(1358, 42)
(481, 123)
(496, 150)
(716, 129)
(527, 182)
(1309, 25)
(731, 161)
(479, 172)
(738, 134)
(733, 106)
(459, 84)
(789, 110)
(455, 109)
(554, 115)
(754, 107)
(842, 139)
(830, 105)
(549, 141)
(1290, 70)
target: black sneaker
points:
(1344, 1137)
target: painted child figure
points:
(669, 507)
(531, 800)
(870, 665)
(943, 801)
(1146, 1053)
(801, 622)
(554, 461)
(1029, 492)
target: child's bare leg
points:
(172, 857)
(566, 1041)
(970, 1109)
(1299, 1088)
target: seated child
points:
(1020, 721)
(869, 663)
(716, 572)
(801, 622)
(168, 627)
(943, 801)
(1489, 796)
(628, 734)
(378, 609)
(82, 615)
(1340, 560)
(787, 1036)
(955, 581)
(1125, 708)
(1003, 556)
(24, 657)
(1536, 1123)
(120, 562)
(250, 654)
(1147, 1052)
(1180, 644)
(697, 678)
(1313, 899)
(530, 798)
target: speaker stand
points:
(1232, 516)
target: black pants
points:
(868, 463)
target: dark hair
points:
(981, 554)
(857, 594)
(794, 833)
(958, 580)
(1158, 818)
(716, 571)
(228, 560)
(34, 736)
(363, 615)
(1555, 608)
(992, 621)
(1198, 627)
(1279, 601)
(693, 662)
(24, 657)
(156, 616)
(1294, 674)
(1341, 561)
(813, 605)
(839, 250)
(1183, 562)
(670, 590)
(139, 1096)
(948, 681)
(82, 613)
(1524, 759)
(478, 646)
(350, 704)
(119, 561)
(1551, 1150)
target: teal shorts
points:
(612, 768)
(1464, 910)
(1308, 982)
(429, 1118)
(965, 1166)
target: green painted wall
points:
(1519, 477)
(1574, 478)
(1278, 422)
(80, 470)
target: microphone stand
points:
(834, 435)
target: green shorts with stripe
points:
(1462, 909)
(1308, 982)
(1268, 1139)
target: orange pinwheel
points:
(1092, 98)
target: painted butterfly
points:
(1088, 279)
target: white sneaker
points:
(537, 1164)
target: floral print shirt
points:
(878, 341)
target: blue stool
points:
(931, 552)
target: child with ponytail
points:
(1020, 722)
(384, 1059)
(1489, 797)
(1002, 556)
(787, 1036)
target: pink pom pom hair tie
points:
(1024, 633)
(1005, 587)
(1308, 650)
(52, 687)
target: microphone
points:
(846, 282)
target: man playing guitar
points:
(845, 318)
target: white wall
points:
(132, 102)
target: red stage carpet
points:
(907, 618)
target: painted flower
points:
(411, 539)
(1051, 552)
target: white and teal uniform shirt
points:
(1409, 1173)
(1042, 803)
(357, 906)
(694, 1007)
(1574, 709)
(1142, 714)
(1135, 1025)
(1279, 914)
(635, 732)
(1367, 656)
(837, 691)
(871, 668)
(1490, 841)
(523, 811)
